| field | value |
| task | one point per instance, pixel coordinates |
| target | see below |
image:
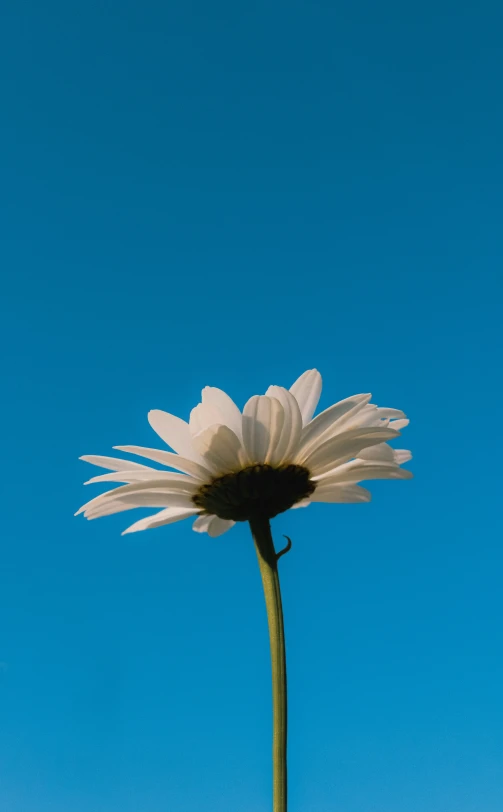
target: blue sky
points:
(229, 194)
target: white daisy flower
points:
(271, 457)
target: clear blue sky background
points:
(229, 194)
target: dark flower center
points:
(256, 491)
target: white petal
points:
(398, 425)
(370, 415)
(177, 483)
(302, 503)
(112, 463)
(169, 459)
(288, 441)
(380, 453)
(167, 516)
(383, 411)
(307, 390)
(220, 447)
(129, 477)
(217, 408)
(263, 419)
(229, 412)
(212, 525)
(402, 455)
(325, 425)
(175, 432)
(219, 526)
(366, 415)
(153, 498)
(98, 500)
(202, 523)
(361, 470)
(108, 508)
(203, 416)
(167, 482)
(343, 447)
(341, 494)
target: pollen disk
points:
(255, 491)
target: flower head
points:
(271, 457)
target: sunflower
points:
(273, 456)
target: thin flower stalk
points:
(268, 564)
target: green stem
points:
(268, 563)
